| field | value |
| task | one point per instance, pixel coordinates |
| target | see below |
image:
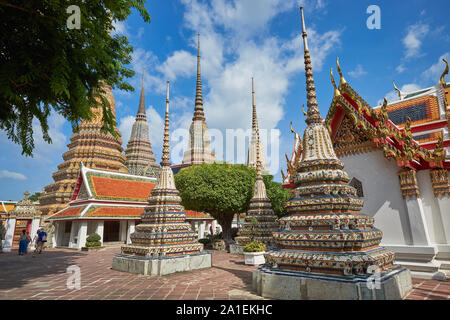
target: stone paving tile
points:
(44, 277)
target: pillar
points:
(99, 230)
(57, 234)
(82, 234)
(123, 231)
(441, 190)
(413, 202)
(33, 230)
(9, 235)
(73, 233)
(131, 228)
(201, 230)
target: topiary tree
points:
(219, 189)
(277, 195)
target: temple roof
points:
(25, 208)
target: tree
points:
(35, 196)
(44, 65)
(277, 195)
(219, 189)
(223, 190)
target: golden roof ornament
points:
(337, 93)
(442, 80)
(398, 90)
(341, 77)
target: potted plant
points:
(93, 241)
(254, 253)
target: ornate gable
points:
(350, 139)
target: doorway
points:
(111, 231)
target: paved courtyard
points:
(44, 277)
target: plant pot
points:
(254, 258)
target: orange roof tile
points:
(68, 212)
(128, 212)
(113, 189)
(190, 214)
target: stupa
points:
(199, 149)
(88, 144)
(252, 153)
(164, 242)
(139, 154)
(325, 248)
(260, 218)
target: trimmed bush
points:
(255, 246)
(93, 244)
(204, 241)
(93, 238)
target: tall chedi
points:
(260, 218)
(252, 153)
(88, 144)
(199, 149)
(327, 249)
(164, 242)
(139, 155)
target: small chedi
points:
(260, 218)
(164, 242)
(326, 249)
(139, 154)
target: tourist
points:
(42, 238)
(23, 243)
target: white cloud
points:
(400, 68)
(405, 89)
(358, 72)
(11, 175)
(434, 72)
(180, 63)
(120, 28)
(413, 39)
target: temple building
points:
(252, 153)
(164, 242)
(326, 248)
(5, 207)
(24, 216)
(90, 146)
(260, 218)
(139, 155)
(199, 149)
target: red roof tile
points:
(102, 212)
(190, 214)
(113, 189)
(68, 212)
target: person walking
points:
(42, 238)
(23, 243)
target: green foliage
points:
(205, 241)
(34, 197)
(45, 66)
(255, 246)
(93, 238)
(93, 244)
(219, 189)
(277, 195)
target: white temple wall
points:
(431, 208)
(382, 195)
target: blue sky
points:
(259, 38)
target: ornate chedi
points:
(88, 144)
(139, 155)
(164, 232)
(252, 152)
(199, 149)
(260, 218)
(323, 236)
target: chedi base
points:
(297, 285)
(160, 266)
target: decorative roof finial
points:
(313, 112)
(442, 80)
(198, 112)
(254, 115)
(336, 90)
(141, 109)
(341, 80)
(26, 194)
(166, 151)
(398, 90)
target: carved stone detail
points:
(440, 182)
(408, 183)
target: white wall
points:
(382, 195)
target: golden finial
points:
(292, 129)
(398, 90)
(26, 194)
(303, 109)
(166, 151)
(336, 90)
(442, 80)
(282, 174)
(341, 80)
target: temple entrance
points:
(111, 231)
(21, 225)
